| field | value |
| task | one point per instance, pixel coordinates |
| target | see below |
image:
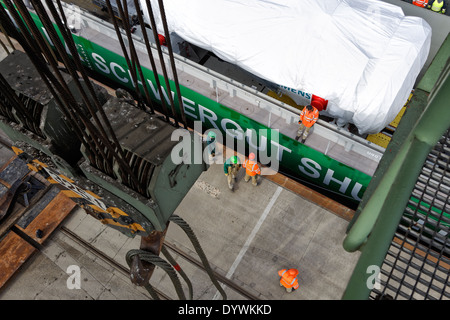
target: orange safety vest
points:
(288, 280)
(251, 168)
(420, 3)
(308, 118)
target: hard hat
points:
(234, 159)
(293, 272)
(211, 134)
(251, 156)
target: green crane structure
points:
(390, 195)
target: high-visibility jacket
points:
(251, 168)
(420, 3)
(288, 280)
(437, 5)
(308, 118)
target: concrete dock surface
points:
(247, 236)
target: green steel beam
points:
(412, 113)
(378, 221)
(437, 66)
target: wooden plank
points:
(49, 218)
(35, 210)
(3, 189)
(5, 165)
(16, 169)
(313, 196)
(8, 162)
(5, 184)
(19, 209)
(14, 251)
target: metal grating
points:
(417, 264)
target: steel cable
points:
(152, 291)
(177, 267)
(131, 63)
(172, 61)
(115, 148)
(193, 238)
(133, 53)
(150, 57)
(24, 38)
(159, 262)
(31, 40)
(161, 60)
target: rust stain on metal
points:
(141, 271)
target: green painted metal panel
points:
(436, 67)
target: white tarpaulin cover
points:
(363, 56)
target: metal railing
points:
(417, 264)
(376, 229)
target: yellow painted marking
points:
(16, 150)
(97, 208)
(284, 98)
(379, 139)
(52, 181)
(93, 194)
(71, 194)
(114, 212)
(397, 119)
(66, 178)
(40, 163)
(133, 227)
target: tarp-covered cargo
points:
(363, 56)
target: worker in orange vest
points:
(420, 3)
(288, 279)
(252, 169)
(308, 117)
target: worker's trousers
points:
(254, 179)
(303, 130)
(287, 289)
(211, 147)
(232, 172)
